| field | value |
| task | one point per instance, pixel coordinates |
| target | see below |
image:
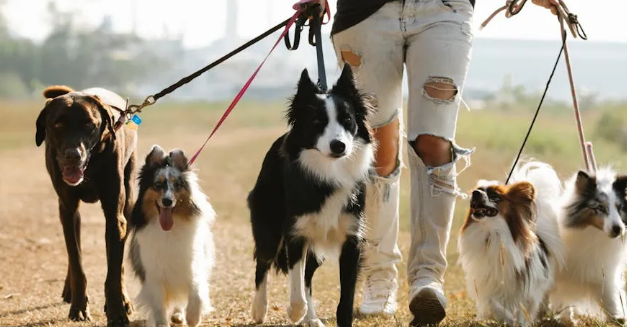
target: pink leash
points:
(298, 7)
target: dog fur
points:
(509, 245)
(592, 217)
(172, 248)
(88, 161)
(309, 198)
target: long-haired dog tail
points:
(549, 189)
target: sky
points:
(203, 21)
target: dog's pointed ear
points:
(522, 192)
(306, 86)
(584, 183)
(346, 84)
(156, 157)
(179, 159)
(620, 184)
(305, 94)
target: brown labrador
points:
(88, 160)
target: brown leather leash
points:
(565, 18)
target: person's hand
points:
(548, 4)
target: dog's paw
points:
(296, 311)
(620, 321)
(79, 314)
(120, 321)
(259, 309)
(128, 304)
(314, 323)
(178, 317)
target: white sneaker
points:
(379, 293)
(427, 303)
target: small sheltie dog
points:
(172, 249)
(509, 246)
(308, 201)
(592, 218)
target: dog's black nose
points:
(616, 230)
(166, 202)
(73, 156)
(476, 196)
(337, 147)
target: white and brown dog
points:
(172, 249)
(509, 245)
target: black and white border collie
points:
(172, 248)
(308, 201)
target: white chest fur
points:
(176, 257)
(327, 229)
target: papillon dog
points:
(509, 245)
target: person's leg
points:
(437, 58)
(374, 48)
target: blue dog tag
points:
(136, 120)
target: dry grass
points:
(33, 261)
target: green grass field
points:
(228, 168)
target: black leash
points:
(313, 10)
(152, 99)
(537, 112)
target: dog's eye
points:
(600, 209)
(317, 122)
(159, 184)
(89, 126)
(348, 120)
(58, 125)
(493, 196)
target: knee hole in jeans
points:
(440, 89)
(433, 150)
(386, 156)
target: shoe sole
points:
(426, 309)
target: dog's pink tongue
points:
(165, 218)
(72, 174)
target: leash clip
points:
(149, 101)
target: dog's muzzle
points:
(478, 206)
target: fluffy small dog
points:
(592, 217)
(309, 197)
(172, 249)
(509, 244)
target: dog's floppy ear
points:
(106, 116)
(156, 156)
(179, 160)
(40, 124)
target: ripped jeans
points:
(433, 40)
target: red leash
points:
(298, 7)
